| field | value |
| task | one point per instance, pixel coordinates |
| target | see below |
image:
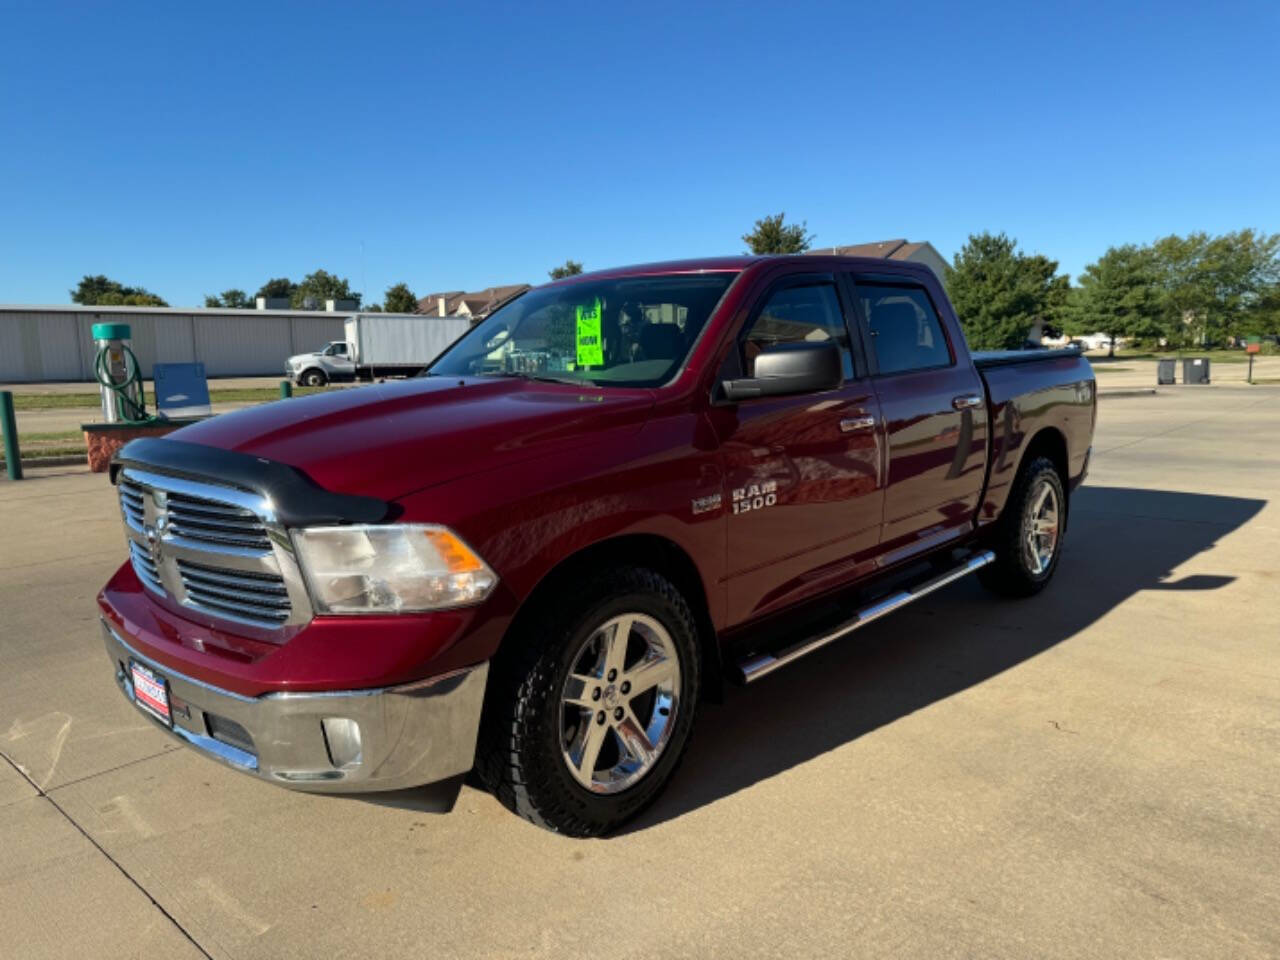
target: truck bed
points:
(1029, 391)
(983, 359)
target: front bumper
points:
(407, 735)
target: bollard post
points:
(9, 425)
(286, 389)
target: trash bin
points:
(1195, 370)
(1164, 371)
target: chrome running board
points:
(762, 664)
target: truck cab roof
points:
(736, 263)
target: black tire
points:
(519, 756)
(313, 378)
(1015, 572)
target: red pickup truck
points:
(611, 495)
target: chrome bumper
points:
(346, 741)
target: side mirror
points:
(786, 368)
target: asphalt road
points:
(1091, 773)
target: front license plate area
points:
(151, 692)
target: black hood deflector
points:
(298, 500)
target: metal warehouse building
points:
(54, 343)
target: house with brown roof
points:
(439, 304)
(894, 250)
(477, 306)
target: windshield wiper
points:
(541, 377)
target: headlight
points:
(392, 568)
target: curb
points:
(66, 461)
(1103, 394)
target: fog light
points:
(342, 737)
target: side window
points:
(793, 314)
(905, 331)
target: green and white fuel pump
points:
(116, 369)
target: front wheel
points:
(592, 707)
(314, 378)
(1028, 539)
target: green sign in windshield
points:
(590, 352)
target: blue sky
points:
(193, 147)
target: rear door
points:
(934, 410)
(803, 473)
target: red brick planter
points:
(102, 440)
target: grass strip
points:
(86, 401)
(60, 443)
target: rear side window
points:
(905, 331)
(793, 314)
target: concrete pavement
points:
(1091, 773)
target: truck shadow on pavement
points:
(1120, 541)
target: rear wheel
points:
(594, 705)
(1028, 540)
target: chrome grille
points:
(259, 596)
(208, 522)
(215, 551)
(131, 501)
(144, 566)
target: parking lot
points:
(1090, 773)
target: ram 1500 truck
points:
(613, 494)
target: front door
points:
(803, 476)
(338, 361)
(935, 420)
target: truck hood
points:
(390, 439)
(301, 357)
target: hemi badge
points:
(706, 504)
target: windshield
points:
(629, 331)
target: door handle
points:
(967, 402)
(853, 424)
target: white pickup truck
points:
(377, 345)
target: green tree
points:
(771, 235)
(570, 268)
(320, 286)
(999, 293)
(103, 291)
(91, 288)
(1218, 287)
(1267, 313)
(233, 298)
(400, 299)
(1120, 295)
(276, 288)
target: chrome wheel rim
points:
(1040, 530)
(618, 705)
